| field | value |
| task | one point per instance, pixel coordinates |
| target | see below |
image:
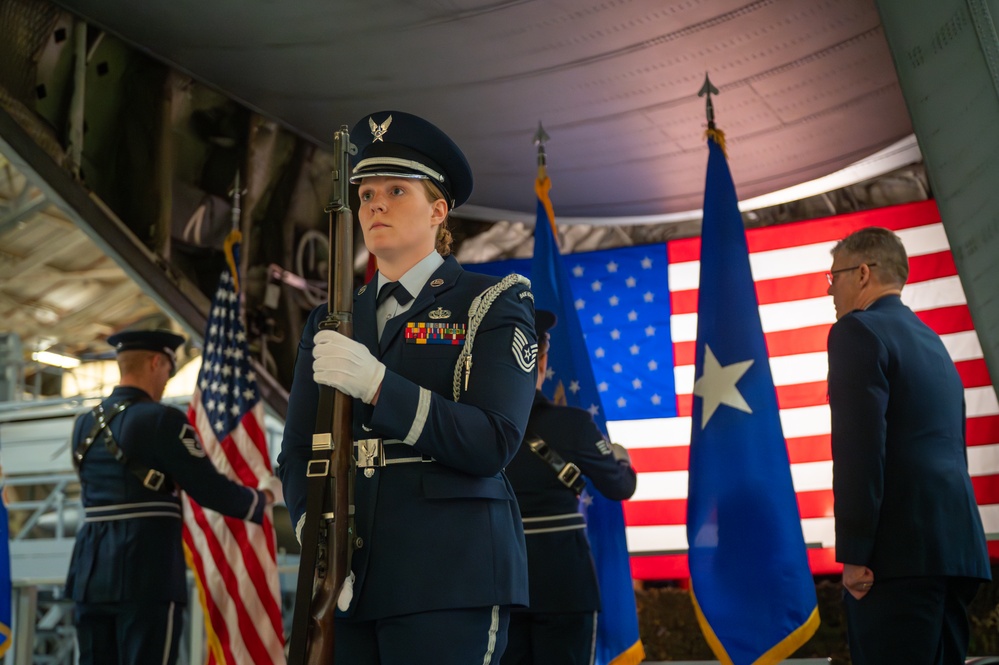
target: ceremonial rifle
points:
(327, 535)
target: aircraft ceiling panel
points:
(597, 74)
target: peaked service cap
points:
(402, 145)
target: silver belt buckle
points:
(370, 453)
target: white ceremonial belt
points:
(553, 523)
(128, 511)
(376, 453)
(408, 460)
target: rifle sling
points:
(317, 487)
(150, 478)
(567, 472)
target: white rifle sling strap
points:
(476, 313)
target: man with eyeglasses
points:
(908, 531)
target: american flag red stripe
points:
(218, 638)
(234, 561)
(233, 627)
(789, 264)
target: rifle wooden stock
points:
(327, 536)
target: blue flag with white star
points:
(571, 382)
(752, 587)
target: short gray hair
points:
(876, 245)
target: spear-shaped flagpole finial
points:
(708, 89)
(539, 140)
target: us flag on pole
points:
(234, 561)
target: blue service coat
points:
(562, 576)
(904, 503)
(129, 546)
(445, 534)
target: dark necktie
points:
(396, 290)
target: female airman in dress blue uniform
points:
(442, 372)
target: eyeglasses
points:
(832, 273)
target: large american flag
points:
(233, 561)
(638, 310)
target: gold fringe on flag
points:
(718, 136)
(542, 186)
(634, 655)
(233, 238)
(211, 635)
(777, 653)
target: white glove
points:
(620, 453)
(298, 528)
(347, 590)
(346, 365)
(273, 485)
(346, 593)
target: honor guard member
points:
(561, 446)
(127, 574)
(442, 367)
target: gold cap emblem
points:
(378, 131)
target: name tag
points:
(418, 332)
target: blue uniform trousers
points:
(551, 638)
(128, 633)
(442, 637)
(912, 620)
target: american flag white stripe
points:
(235, 595)
(794, 261)
(776, 317)
(252, 458)
(818, 531)
(234, 561)
(796, 422)
(788, 266)
(807, 476)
